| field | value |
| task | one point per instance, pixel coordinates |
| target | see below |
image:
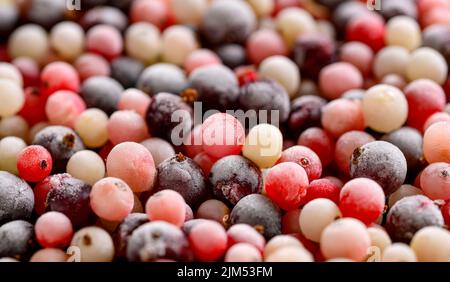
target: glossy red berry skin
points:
(59, 76)
(34, 163)
(322, 188)
(33, 111)
(425, 98)
(368, 29)
(320, 142)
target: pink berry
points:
(363, 199)
(358, 54)
(208, 240)
(425, 97)
(345, 238)
(320, 142)
(49, 255)
(136, 100)
(89, 65)
(63, 108)
(152, 11)
(222, 135)
(53, 230)
(436, 142)
(286, 185)
(111, 199)
(244, 233)
(306, 158)
(167, 205)
(263, 44)
(200, 58)
(243, 252)
(104, 40)
(434, 118)
(127, 126)
(59, 76)
(337, 78)
(341, 116)
(138, 171)
(435, 181)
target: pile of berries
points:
(122, 137)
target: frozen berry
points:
(435, 142)
(322, 188)
(183, 175)
(409, 141)
(66, 195)
(345, 146)
(265, 96)
(235, 177)
(214, 210)
(228, 22)
(123, 232)
(111, 199)
(363, 199)
(62, 142)
(222, 135)
(162, 77)
(312, 52)
(411, 214)
(435, 181)
(306, 111)
(16, 198)
(208, 240)
(34, 163)
(94, 243)
(169, 117)
(306, 158)
(101, 92)
(244, 233)
(126, 71)
(286, 184)
(380, 161)
(166, 205)
(138, 172)
(158, 239)
(260, 212)
(53, 230)
(17, 239)
(216, 86)
(320, 142)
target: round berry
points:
(34, 163)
